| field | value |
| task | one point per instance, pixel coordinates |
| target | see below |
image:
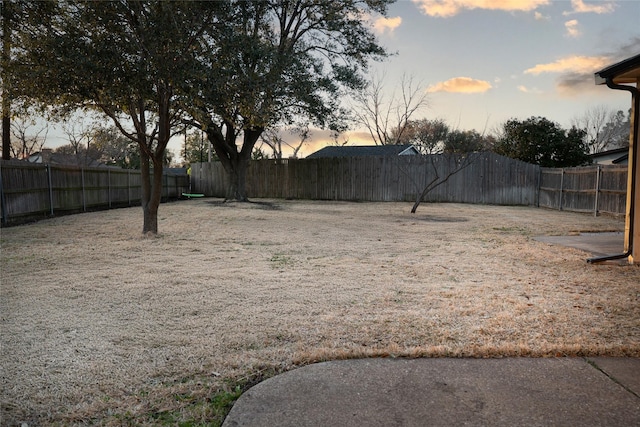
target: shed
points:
(364, 150)
(625, 75)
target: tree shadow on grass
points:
(436, 218)
(267, 206)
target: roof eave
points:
(627, 71)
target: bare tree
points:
(80, 130)
(272, 137)
(386, 117)
(602, 127)
(28, 137)
(337, 141)
(451, 165)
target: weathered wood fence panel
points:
(32, 191)
(489, 179)
(597, 188)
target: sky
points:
(482, 62)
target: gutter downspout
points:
(635, 97)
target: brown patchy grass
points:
(101, 325)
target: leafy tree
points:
(196, 148)
(429, 136)
(129, 59)
(115, 149)
(464, 141)
(542, 142)
(273, 62)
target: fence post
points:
(598, 176)
(561, 188)
(84, 197)
(109, 187)
(3, 203)
(50, 183)
(129, 187)
(539, 186)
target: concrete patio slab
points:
(598, 244)
(444, 392)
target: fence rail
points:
(30, 191)
(597, 189)
(488, 179)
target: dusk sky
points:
(492, 60)
(485, 61)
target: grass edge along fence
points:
(33, 191)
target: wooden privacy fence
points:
(598, 188)
(31, 191)
(488, 179)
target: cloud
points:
(461, 85)
(525, 89)
(448, 8)
(540, 17)
(579, 6)
(575, 73)
(580, 64)
(572, 29)
(575, 83)
(382, 24)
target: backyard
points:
(101, 325)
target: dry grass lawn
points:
(101, 325)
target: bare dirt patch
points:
(102, 325)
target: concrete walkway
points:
(447, 392)
(598, 244)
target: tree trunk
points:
(235, 163)
(152, 195)
(6, 95)
(6, 135)
(150, 216)
(237, 189)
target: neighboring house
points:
(364, 150)
(47, 156)
(619, 156)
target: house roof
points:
(627, 71)
(364, 150)
(617, 155)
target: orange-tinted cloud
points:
(575, 73)
(461, 85)
(579, 6)
(448, 8)
(573, 64)
(382, 24)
